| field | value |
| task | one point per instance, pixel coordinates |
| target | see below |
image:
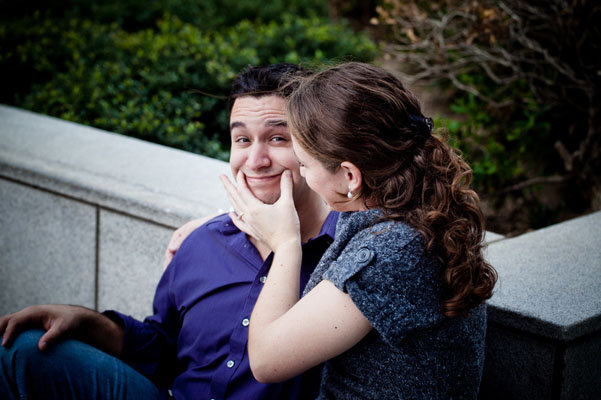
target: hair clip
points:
(423, 125)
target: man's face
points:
(262, 147)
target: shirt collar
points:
(225, 225)
(329, 226)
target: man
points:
(194, 346)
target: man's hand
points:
(63, 321)
(58, 321)
(179, 235)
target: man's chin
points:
(267, 197)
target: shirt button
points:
(230, 364)
(263, 279)
(245, 322)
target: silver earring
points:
(349, 194)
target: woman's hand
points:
(273, 224)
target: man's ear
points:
(352, 175)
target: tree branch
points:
(554, 179)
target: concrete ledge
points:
(551, 278)
(544, 333)
(150, 181)
(86, 214)
(47, 248)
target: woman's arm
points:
(286, 341)
(288, 336)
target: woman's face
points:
(331, 187)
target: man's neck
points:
(312, 213)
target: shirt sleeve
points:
(392, 283)
(150, 345)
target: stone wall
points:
(85, 216)
(544, 330)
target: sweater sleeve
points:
(391, 282)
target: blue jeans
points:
(69, 369)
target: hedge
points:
(166, 85)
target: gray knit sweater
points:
(413, 352)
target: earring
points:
(349, 194)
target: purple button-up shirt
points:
(195, 343)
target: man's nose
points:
(258, 157)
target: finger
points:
(167, 259)
(51, 336)
(238, 222)
(11, 331)
(243, 226)
(171, 248)
(242, 184)
(232, 193)
(286, 186)
(235, 210)
(176, 240)
(244, 190)
(3, 322)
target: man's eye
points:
(242, 140)
(278, 139)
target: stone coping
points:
(550, 280)
(147, 180)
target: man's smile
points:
(262, 179)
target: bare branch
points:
(554, 179)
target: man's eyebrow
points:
(237, 124)
(276, 122)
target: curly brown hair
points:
(363, 114)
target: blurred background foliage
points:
(521, 82)
(514, 83)
(158, 70)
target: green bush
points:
(502, 145)
(133, 15)
(524, 79)
(166, 85)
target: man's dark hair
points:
(273, 79)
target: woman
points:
(395, 306)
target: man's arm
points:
(62, 321)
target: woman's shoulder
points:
(372, 222)
(381, 236)
(391, 279)
(376, 243)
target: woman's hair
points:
(363, 114)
